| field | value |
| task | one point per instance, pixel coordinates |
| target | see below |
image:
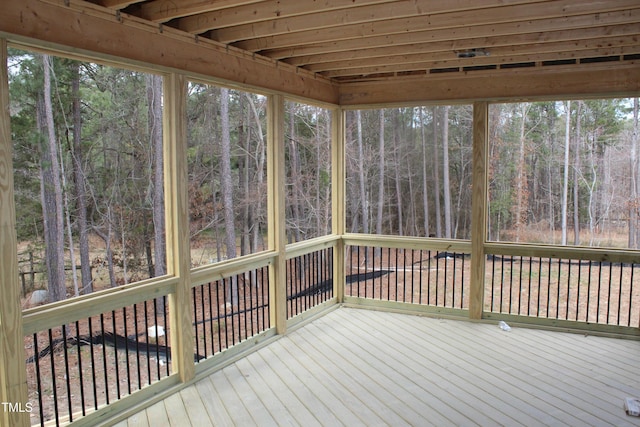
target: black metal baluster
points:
(204, 323)
(66, 371)
(36, 359)
(429, 277)
(539, 284)
(166, 336)
(126, 349)
(104, 359)
(211, 324)
(195, 315)
(549, 288)
(599, 287)
(80, 370)
(520, 287)
(609, 290)
(115, 352)
(93, 365)
(633, 268)
(53, 378)
(620, 293)
(578, 289)
(566, 316)
(589, 292)
(157, 338)
(146, 333)
(136, 331)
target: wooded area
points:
(89, 183)
(551, 180)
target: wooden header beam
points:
(572, 81)
(79, 27)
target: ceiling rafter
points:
(582, 23)
(524, 43)
(350, 41)
(445, 20)
(331, 18)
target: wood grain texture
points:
(13, 377)
(362, 367)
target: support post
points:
(13, 372)
(479, 208)
(338, 195)
(177, 225)
(276, 213)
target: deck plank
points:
(362, 367)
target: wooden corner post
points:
(13, 372)
(177, 223)
(479, 208)
(276, 214)
(338, 198)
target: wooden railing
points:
(96, 355)
(580, 288)
(92, 356)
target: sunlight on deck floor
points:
(361, 367)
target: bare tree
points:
(445, 172)
(635, 181)
(381, 163)
(565, 185)
(77, 157)
(227, 187)
(363, 194)
(51, 190)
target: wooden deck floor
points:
(358, 367)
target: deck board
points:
(360, 367)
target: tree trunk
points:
(396, 143)
(227, 187)
(576, 179)
(51, 188)
(425, 186)
(80, 182)
(436, 172)
(154, 99)
(565, 185)
(379, 215)
(635, 177)
(522, 196)
(445, 172)
(363, 194)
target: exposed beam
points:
(98, 32)
(249, 15)
(404, 63)
(331, 17)
(554, 82)
(297, 34)
(608, 21)
(166, 10)
(116, 4)
(595, 36)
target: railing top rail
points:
(231, 267)
(404, 242)
(564, 252)
(52, 315)
(307, 246)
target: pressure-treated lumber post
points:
(276, 215)
(338, 199)
(479, 208)
(13, 372)
(176, 212)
